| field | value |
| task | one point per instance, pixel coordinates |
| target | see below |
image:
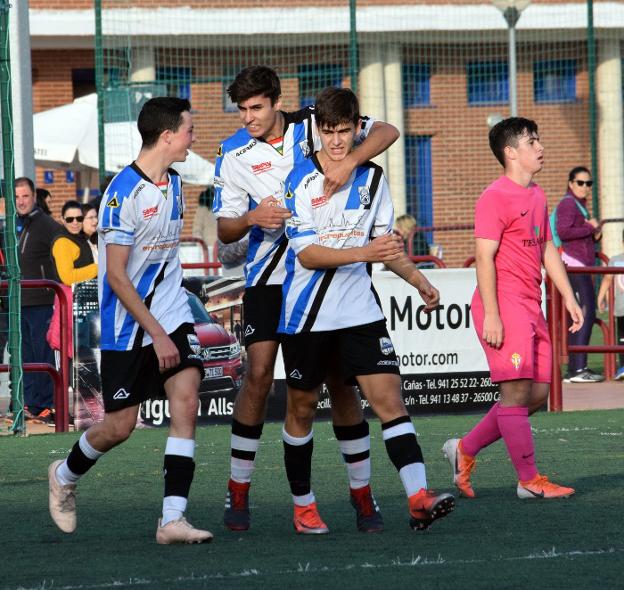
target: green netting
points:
(439, 72)
(10, 332)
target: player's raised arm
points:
(485, 251)
(380, 137)
(558, 275)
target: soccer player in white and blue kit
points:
(250, 171)
(330, 307)
(147, 338)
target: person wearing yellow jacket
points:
(71, 251)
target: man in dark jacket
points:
(36, 232)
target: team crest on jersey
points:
(304, 146)
(220, 151)
(194, 345)
(364, 195)
(516, 359)
(385, 344)
(113, 203)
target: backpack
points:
(553, 220)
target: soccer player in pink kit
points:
(513, 240)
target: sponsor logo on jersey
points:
(219, 182)
(516, 359)
(305, 148)
(385, 344)
(113, 202)
(388, 364)
(289, 194)
(262, 167)
(194, 345)
(138, 189)
(310, 179)
(296, 374)
(220, 151)
(249, 330)
(364, 195)
(150, 212)
(319, 201)
(121, 394)
(246, 148)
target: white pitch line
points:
(307, 568)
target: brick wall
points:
(88, 4)
(462, 165)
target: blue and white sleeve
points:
(119, 220)
(384, 216)
(300, 228)
(230, 200)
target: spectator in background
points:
(89, 226)
(71, 250)
(404, 225)
(579, 232)
(618, 311)
(44, 200)
(36, 232)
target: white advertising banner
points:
(443, 366)
(438, 342)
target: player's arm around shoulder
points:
(380, 137)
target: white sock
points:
(413, 477)
(359, 472)
(64, 475)
(174, 507)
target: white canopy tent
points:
(67, 137)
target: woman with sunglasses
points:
(71, 251)
(579, 233)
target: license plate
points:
(213, 372)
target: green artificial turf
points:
(495, 541)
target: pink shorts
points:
(526, 352)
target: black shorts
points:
(362, 350)
(129, 377)
(262, 307)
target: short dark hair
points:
(163, 113)
(577, 170)
(255, 81)
(70, 205)
(335, 106)
(25, 180)
(508, 132)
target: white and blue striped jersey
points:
(248, 170)
(135, 212)
(342, 297)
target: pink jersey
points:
(517, 218)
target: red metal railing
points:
(207, 264)
(558, 326)
(437, 261)
(59, 377)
